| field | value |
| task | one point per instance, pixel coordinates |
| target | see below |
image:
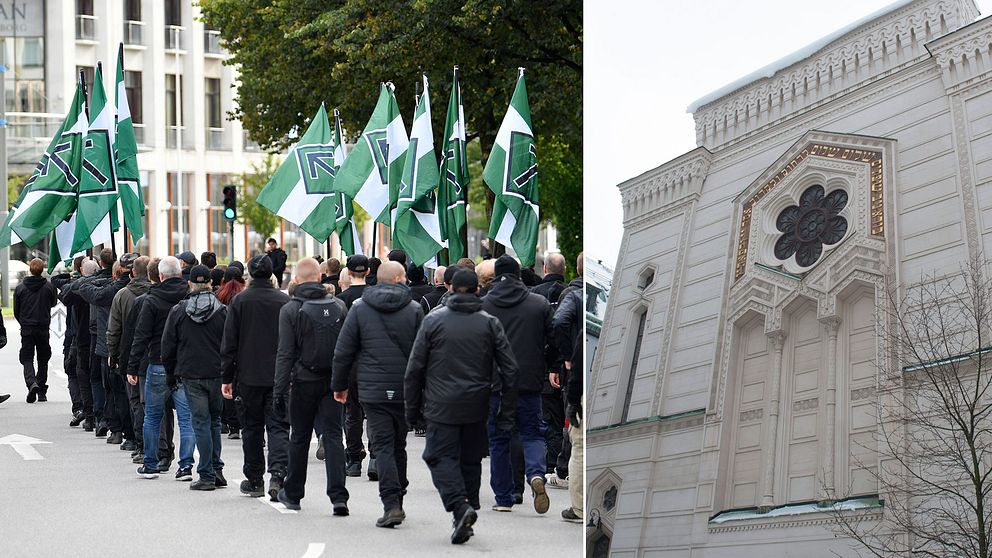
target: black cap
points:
(260, 267)
(358, 263)
(449, 273)
(216, 276)
(465, 280)
(238, 265)
(127, 260)
(187, 257)
(234, 273)
(199, 274)
(506, 264)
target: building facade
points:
(734, 385)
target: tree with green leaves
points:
(251, 213)
(294, 54)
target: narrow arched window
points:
(633, 364)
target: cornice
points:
(652, 425)
(671, 183)
(964, 54)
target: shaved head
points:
(439, 275)
(391, 272)
(141, 266)
(307, 270)
(555, 264)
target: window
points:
(88, 76)
(84, 7)
(132, 88)
(218, 228)
(645, 278)
(213, 103)
(177, 205)
(291, 235)
(633, 365)
(807, 227)
(173, 12)
(144, 243)
(173, 131)
(132, 10)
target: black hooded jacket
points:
(151, 322)
(34, 299)
(192, 335)
(100, 294)
(526, 319)
(251, 335)
(378, 334)
(292, 342)
(550, 288)
(431, 299)
(459, 353)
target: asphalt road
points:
(75, 495)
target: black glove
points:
(415, 421)
(114, 363)
(280, 408)
(172, 381)
(574, 414)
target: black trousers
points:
(69, 364)
(83, 379)
(136, 406)
(33, 339)
(454, 455)
(307, 402)
(257, 421)
(553, 405)
(354, 419)
(97, 386)
(387, 425)
(118, 409)
(229, 415)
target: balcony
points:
(85, 28)
(28, 134)
(215, 140)
(211, 43)
(175, 37)
(139, 133)
(134, 33)
(248, 145)
(175, 134)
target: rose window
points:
(807, 227)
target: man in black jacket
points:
(308, 332)
(277, 257)
(191, 351)
(526, 319)
(568, 313)
(95, 363)
(62, 278)
(358, 268)
(418, 282)
(378, 334)
(431, 299)
(148, 342)
(100, 295)
(79, 312)
(34, 299)
(553, 399)
(458, 353)
(553, 282)
(248, 357)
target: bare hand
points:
(132, 379)
(341, 396)
(227, 390)
(555, 380)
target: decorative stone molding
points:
(965, 55)
(671, 184)
(652, 425)
(863, 393)
(753, 414)
(869, 52)
(825, 518)
(806, 404)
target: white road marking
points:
(23, 445)
(314, 550)
(275, 505)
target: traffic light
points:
(230, 202)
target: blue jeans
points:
(530, 427)
(206, 404)
(156, 394)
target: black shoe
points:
(518, 499)
(341, 508)
(199, 484)
(184, 474)
(129, 445)
(164, 465)
(77, 417)
(234, 435)
(463, 526)
(275, 485)
(475, 505)
(101, 429)
(420, 432)
(147, 473)
(32, 394)
(320, 448)
(570, 516)
(88, 424)
(115, 438)
(284, 500)
(373, 473)
(354, 469)
(219, 480)
(4, 397)
(253, 489)
(138, 458)
(225, 429)
(42, 396)
(391, 518)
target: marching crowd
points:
(478, 359)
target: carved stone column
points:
(776, 342)
(831, 324)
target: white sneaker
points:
(555, 482)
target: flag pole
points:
(86, 111)
(113, 241)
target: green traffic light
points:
(229, 213)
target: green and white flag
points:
(97, 203)
(50, 193)
(415, 223)
(375, 165)
(344, 222)
(302, 189)
(511, 173)
(452, 192)
(128, 179)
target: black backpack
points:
(320, 321)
